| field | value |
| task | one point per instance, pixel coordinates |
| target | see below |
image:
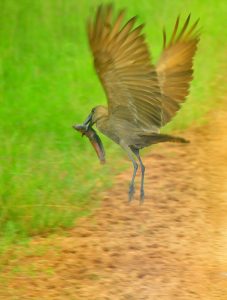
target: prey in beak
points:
(87, 130)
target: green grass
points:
(49, 175)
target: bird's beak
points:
(88, 121)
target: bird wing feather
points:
(122, 62)
(175, 67)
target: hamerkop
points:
(142, 97)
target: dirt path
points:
(172, 247)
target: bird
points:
(142, 96)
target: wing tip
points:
(185, 33)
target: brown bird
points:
(142, 97)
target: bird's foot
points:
(131, 193)
(141, 196)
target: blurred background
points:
(49, 175)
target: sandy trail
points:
(174, 246)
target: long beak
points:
(87, 122)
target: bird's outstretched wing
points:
(122, 61)
(175, 67)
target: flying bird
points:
(142, 97)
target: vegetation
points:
(47, 83)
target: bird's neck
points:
(102, 124)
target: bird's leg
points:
(131, 186)
(135, 166)
(137, 154)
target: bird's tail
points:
(156, 138)
(175, 139)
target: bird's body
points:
(124, 131)
(141, 97)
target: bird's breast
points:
(108, 128)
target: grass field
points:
(49, 175)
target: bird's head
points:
(97, 113)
